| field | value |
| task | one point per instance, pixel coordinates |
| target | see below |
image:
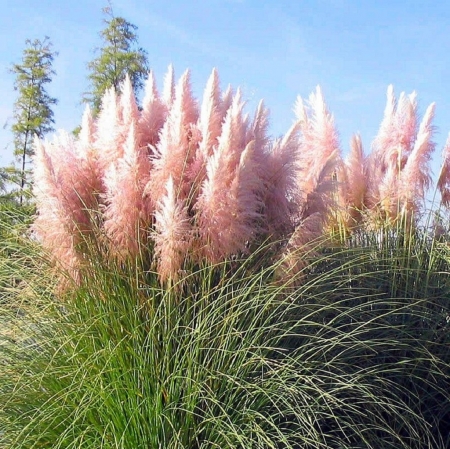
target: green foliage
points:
(33, 114)
(118, 56)
(355, 356)
(4, 180)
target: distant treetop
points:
(120, 55)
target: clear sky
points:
(273, 49)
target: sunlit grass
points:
(356, 355)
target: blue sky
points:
(273, 49)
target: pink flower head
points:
(64, 201)
(443, 183)
(209, 127)
(392, 146)
(128, 213)
(128, 106)
(173, 151)
(355, 175)
(169, 87)
(108, 137)
(229, 206)
(415, 177)
(172, 235)
(87, 131)
(153, 115)
(279, 173)
(319, 146)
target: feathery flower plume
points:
(87, 132)
(415, 177)
(300, 246)
(229, 207)
(173, 151)
(443, 183)
(376, 162)
(128, 106)
(88, 156)
(153, 114)
(310, 226)
(229, 202)
(75, 186)
(319, 146)
(227, 100)
(257, 132)
(127, 213)
(169, 87)
(50, 224)
(356, 181)
(259, 126)
(391, 148)
(385, 134)
(320, 199)
(172, 235)
(406, 122)
(108, 131)
(279, 173)
(394, 142)
(209, 126)
(210, 119)
(387, 207)
(63, 200)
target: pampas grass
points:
(190, 283)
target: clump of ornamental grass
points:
(356, 355)
(164, 321)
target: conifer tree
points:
(33, 114)
(119, 55)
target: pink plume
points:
(385, 134)
(128, 213)
(229, 205)
(169, 87)
(210, 116)
(172, 235)
(403, 130)
(415, 177)
(319, 144)
(208, 126)
(311, 223)
(280, 176)
(302, 244)
(376, 164)
(232, 140)
(218, 205)
(388, 195)
(355, 175)
(74, 186)
(320, 199)
(87, 131)
(259, 127)
(64, 201)
(443, 183)
(227, 100)
(89, 157)
(173, 151)
(153, 115)
(393, 143)
(108, 137)
(128, 106)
